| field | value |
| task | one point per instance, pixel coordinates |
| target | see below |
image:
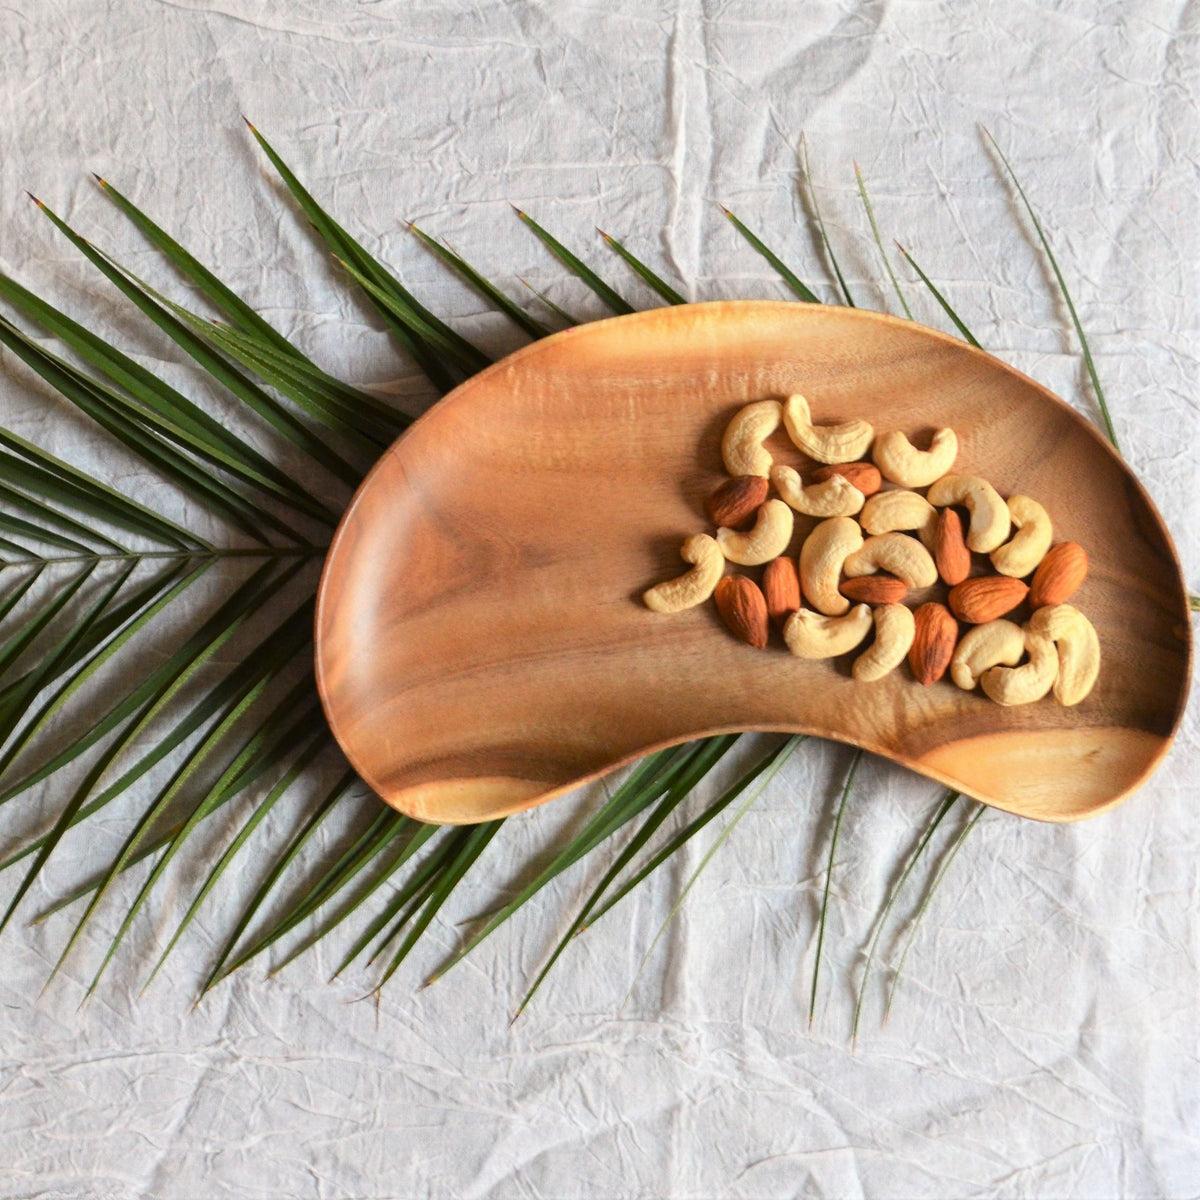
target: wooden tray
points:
(481, 646)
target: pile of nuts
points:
(856, 584)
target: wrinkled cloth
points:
(1043, 1039)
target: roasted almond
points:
(743, 609)
(781, 587)
(735, 502)
(864, 476)
(935, 635)
(1059, 575)
(986, 598)
(950, 548)
(874, 589)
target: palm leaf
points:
(887, 262)
(760, 774)
(163, 407)
(646, 783)
(808, 195)
(947, 803)
(270, 410)
(308, 752)
(786, 273)
(289, 855)
(343, 246)
(1066, 294)
(473, 845)
(223, 298)
(577, 266)
(45, 476)
(914, 924)
(643, 272)
(937, 295)
(237, 698)
(332, 403)
(487, 289)
(556, 309)
(833, 841)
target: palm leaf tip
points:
(801, 289)
(833, 841)
(1089, 363)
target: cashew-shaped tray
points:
(481, 645)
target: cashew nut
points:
(898, 553)
(742, 446)
(826, 443)
(1024, 684)
(835, 497)
(812, 635)
(901, 462)
(1031, 541)
(821, 558)
(887, 512)
(894, 632)
(984, 646)
(767, 540)
(990, 521)
(694, 586)
(1078, 650)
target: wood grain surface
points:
(482, 646)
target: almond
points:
(743, 609)
(934, 637)
(874, 589)
(781, 587)
(950, 548)
(1059, 575)
(735, 502)
(986, 598)
(864, 476)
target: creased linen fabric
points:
(1043, 1039)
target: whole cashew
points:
(1024, 684)
(901, 462)
(1029, 544)
(984, 646)
(898, 553)
(767, 540)
(888, 512)
(742, 446)
(990, 521)
(894, 632)
(694, 586)
(826, 443)
(835, 497)
(821, 558)
(812, 635)
(1078, 650)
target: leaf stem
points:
(833, 841)
(251, 552)
(955, 847)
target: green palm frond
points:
(643, 272)
(829, 864)
(883, 254)
(802, 290)
(808, 195)
(482, 285)
(229, 711)
(577, 266)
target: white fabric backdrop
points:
(1045, 1037)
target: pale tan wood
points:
(482, 647)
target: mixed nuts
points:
(876, 539)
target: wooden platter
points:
(481, 646)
